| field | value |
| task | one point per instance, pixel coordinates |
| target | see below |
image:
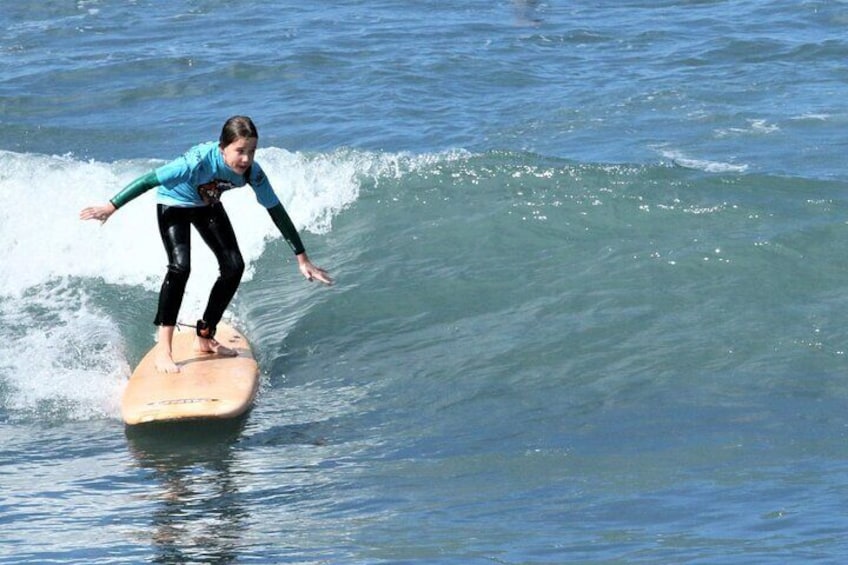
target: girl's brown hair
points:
(235, 128)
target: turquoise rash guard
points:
(199, 177)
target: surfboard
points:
(208, 386)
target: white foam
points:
(813, 116)
(755, 126)
(61, 358)
(681, 160)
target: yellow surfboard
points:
(208, 386)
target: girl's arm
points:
(136, 188)
(286, 227)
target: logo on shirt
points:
(211, 191)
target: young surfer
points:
(188, 193)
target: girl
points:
(188, 193)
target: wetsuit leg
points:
(213, 225)
(175, 229)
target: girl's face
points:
(238, 155)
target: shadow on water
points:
(200, 516)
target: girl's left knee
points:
(233, 268)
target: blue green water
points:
(590, 287)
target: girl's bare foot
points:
(210, 345)
(164, 362)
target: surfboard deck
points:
(208, 386)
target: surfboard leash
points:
(201, 329)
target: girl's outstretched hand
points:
(100, 213)
(312, 272)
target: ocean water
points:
(590, 285)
